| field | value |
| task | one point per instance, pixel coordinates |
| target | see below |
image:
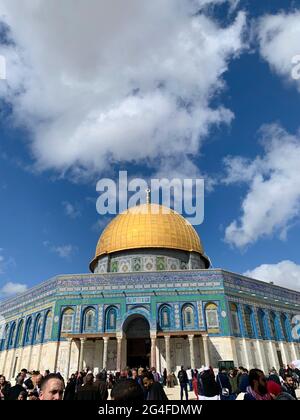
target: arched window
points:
(27, 336)
(67, 320)
(37, 331)
(165, 317)
(12, 335)
(294, 323)
(283, 322)
(273, 326)
(4, 337)
(212, 317)
(19, 340)
(188, 317)
(89, 319)
(48, 325)
(261, 323)
(235, 318)
(111, 319)
(248, 321)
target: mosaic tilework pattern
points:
(177, 315)
(148, 262)
(200, 314)
(77, 318)
(100, 317)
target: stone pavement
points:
(174, 393)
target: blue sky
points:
(78, 107)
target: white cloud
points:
(71, 210)
(279, 41)
(272, 202)
(11, 289)
(102, 82)
(233, 3)
(1, 263)
(286, 274)
(64, 251)
(5, 262)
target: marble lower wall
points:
(244, 352)
(38, 357)
(264, 354)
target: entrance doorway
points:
(137, 331)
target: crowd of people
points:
(241, 384)
(149, 385)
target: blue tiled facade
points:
(146, 294)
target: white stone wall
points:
(245, 352)
(38, 357)
(249, 355)
(220, 348)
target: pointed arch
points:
(38, 329)
(48, 325)
(261, 316)
(234, 315)
(248, 316)
(274, 333)
(165, 316)
(12, 335)
(27, 334)
(89, 319)
(111, 318)
(212, 316)
(20, 332)
(67, 320)
(284, 326)
(188, 316)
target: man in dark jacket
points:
(101, 385)
(244, 381)
(155, 389)
(207, 385)
(70, 390)
(16, 390)
(88, 392)
(127, 390)
(183, 381)
(224, 384)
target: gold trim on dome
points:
(148, 226)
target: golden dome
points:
(148, 226)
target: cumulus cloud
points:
(272, 202)
(233, 3)
(71, 210)
(5, 262)
(1, 263)
(106, 82)
(278, 37)
(64, 251)
(11, 289)
(286, 274)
